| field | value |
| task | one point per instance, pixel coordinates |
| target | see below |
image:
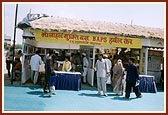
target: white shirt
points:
(85, 62)
(109, 64)
(9, 55)
(35, 61)
(101, 68)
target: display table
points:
(66, 80)
(147, 84)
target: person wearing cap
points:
(85, 67)
(132, 78)
(102, 70)
(9, 58)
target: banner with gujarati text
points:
(87, 39)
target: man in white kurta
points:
(85, 67)
(35, 61)
(109, 64)
(102, 71)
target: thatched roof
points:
(59, 23)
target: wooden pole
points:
(14, 43)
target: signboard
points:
(87, 39)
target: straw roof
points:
(67, 24)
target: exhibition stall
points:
(72, 36)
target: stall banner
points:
(87, 39)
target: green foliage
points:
(18, 46)
(6, 46)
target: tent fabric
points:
(25, 23)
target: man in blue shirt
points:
(132, 79)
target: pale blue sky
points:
(146, 14)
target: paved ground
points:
(87, 100)
(32, 98)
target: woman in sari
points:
(118, 78)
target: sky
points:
(143, 14)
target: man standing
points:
(35, 61)
(102, 71)
(49, 71)
(9, 58)
(132, 78)
(85, 67)
(109, 64)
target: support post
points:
(14, 43)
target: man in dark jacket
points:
(132, 79)
(50, 67)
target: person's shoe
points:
(50, 94)
(126, 97)
(140, 96)
(120, 94)
(98, 93)
(105, 94)
(53, 94)
(35, 83)
(83, 82)
(46, 91)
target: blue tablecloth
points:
(66, 80)
(147, 84)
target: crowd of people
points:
(54, 62)
(106, 72)
(17, 65)
(117, 72)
